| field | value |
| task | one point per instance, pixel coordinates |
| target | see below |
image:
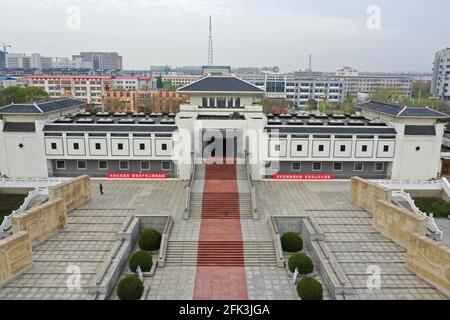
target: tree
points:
(167, 85)
(21, 95)
(388, 94)
(311, 104)
(348, 105)
(277, 105)
(159, 82)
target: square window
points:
(317, 166)
(321, 147)
(277, 147)
(123, 165)
(81, 165)
(342, 148)
(98, 146)
(76, 146)
(60, 164)
(120, 146)
(103, 165)
(385, 148)
(54, 147)
(358, 166)
(337, 166)
(379, 166)
(166, 165)
(142, 146)
(299, 147)
(296, 166)
(364, 148)
(145, 165)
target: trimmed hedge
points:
(310, 289)
(130, 288)
(302, 262)
(149, 240)
(142, 259)
(291, 242)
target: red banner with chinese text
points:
(130, 175)
(306, 176)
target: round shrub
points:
(130, 288)
(302, 262)
(142, 259)
(310, 289)
(291, 242)
(149, 240)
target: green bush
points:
(142, 259)
(291, 242)
(149, 240)
(302, 262)
(130, 288)
(438, 207)
(310, 289)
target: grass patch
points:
(9, 202)
(438, 207)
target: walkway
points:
(220, 259)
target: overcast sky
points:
(245, 32)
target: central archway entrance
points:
(222, 144)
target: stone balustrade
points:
(15, 255)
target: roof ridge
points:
(403, 109)
(36, 106)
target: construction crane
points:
(5, 46)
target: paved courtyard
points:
(91, 232)
(350, 237)
(89, 237)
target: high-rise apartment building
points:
(441, 74)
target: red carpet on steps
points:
(220, 261)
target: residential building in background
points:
(441, 74)
(143, 101)
(299, 88)
(110, 61)
(87, 88)
(180, 80)
(66, 63)
(7, 81)
(134, 82)
(24, 61)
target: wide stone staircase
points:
(221, 205)
(226, 207)
(223, 253)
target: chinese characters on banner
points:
(126, 175)
(306, 176)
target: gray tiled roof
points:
(332, 130)
(400, 110)
(107, 128)
(40, 107)
(411, 130)
(19, 127)
(220, 84)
